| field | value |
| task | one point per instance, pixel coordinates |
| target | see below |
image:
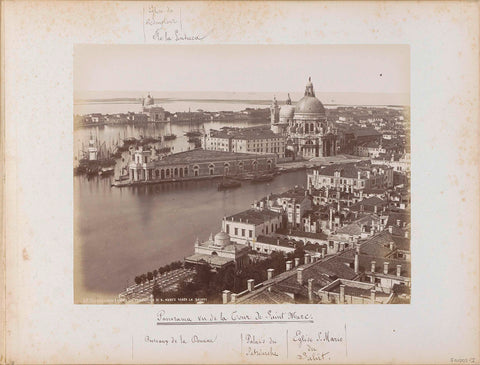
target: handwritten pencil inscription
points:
(163, 23)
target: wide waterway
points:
(124, 232)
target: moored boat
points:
(229, 184)
(263, 178)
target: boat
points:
(229, 184)
(104, 171)
(193, 134)
(169, 137)
(263, 178)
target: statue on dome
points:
(289, 101)
(309, 88)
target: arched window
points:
(175, 172)
(162, 174)
(195, 170)
(254, 165)
(157, 173)
(167, 172)
(269, 164)
(211, 168)
(240, 165)
(185, 171)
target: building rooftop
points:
(254, 216)
(201, 155)
(212, 260)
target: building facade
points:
(258, 140)
(195, 164)
(351, 177)
(246, 226)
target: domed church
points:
(305, 125)
(219, 252)
(154, 112)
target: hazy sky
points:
(242, 68)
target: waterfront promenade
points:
(142, 293)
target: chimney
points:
(310, 290)
(342, 293)
(234, 297)
(375, 209)
(390, 229)
(406, 234)
(373, 267)
(399, 270)
(307, 258)
(278, 241)
(385, 268)
(300, 275)
(288, 265)
(372, 279)
(372, 295)
(391, 246)
(226, 296)
(270, 273)
(398, 222)
(297, 261)
(250, 284)
(342, 246)
(356, 263)
(323, 252)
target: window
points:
(228, 228)
(250, 233)
(243, 232)
(236, 231)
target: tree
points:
(149, 276)
(143, 277)
(138, 280)
(156, 292)
(155, 273)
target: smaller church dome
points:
(287, 111)
(222, 239)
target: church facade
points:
(305, 126)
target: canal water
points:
(124, 232)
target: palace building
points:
(258, 140)
(305, 125)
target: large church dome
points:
(309, 103)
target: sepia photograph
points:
(233, 182)
(242, 174)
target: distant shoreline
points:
(234, 101)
